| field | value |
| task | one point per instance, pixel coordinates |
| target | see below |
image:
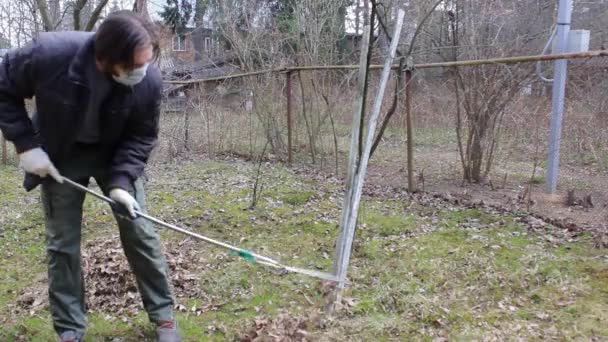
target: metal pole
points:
(289, 128)
(559, 89)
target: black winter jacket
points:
(52, 69)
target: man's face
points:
(141, 57)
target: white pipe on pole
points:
(559, 90)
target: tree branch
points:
(416, 33)
(422, 22)
(60, 19)
(383, 25)
(391, 110)
(95, 15)
(372, 17)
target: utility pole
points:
(564, 15)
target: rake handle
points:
(243, 253)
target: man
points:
(97, 98)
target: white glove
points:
(37, 162)
(125, 199)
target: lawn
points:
(422, 268)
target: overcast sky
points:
(10, 10)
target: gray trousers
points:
(63, 213)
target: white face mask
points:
(132, 77)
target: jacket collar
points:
(84, 56)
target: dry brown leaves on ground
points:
(284, 328)
(288, 327)
(109, 283)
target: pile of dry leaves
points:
(287, 327)
(110, 285)
(284, 328)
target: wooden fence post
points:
(289, 124)
(357, 171)
(410, 130)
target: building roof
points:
(195, 71)
(202, 69)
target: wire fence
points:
(303, 115)
(306, 109)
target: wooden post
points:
(355, 188)
(289, 128)
(410, 130)
(4, 149)
(353, 162)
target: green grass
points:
(538, 180)
(298, 198)
(435, 136)
(417, 272)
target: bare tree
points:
(19, 21)
(488, 29)
(49, 12)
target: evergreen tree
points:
(177, 15)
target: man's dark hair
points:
(120, 34)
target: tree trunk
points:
(54, 13)
(141, 7)
(476, 148)
(357, 17)
(47, 23)
(198, 36)
(476, 155)
(78, 6)
(366, 12)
